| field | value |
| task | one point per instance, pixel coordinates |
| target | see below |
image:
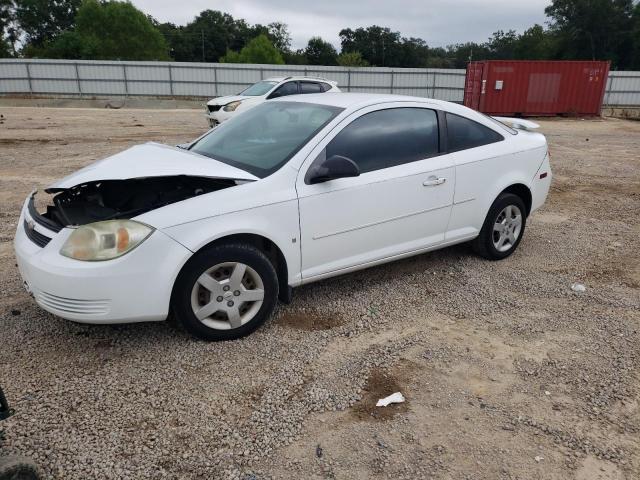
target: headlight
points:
(231, 106)
(105, 240)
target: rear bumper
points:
(541, 184)
(133, 288)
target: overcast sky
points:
(439, 22)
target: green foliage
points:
(44, 20)
(352, 59)
(9, 33)
(108, 31)
(578, 29)
(208, 37)
(594, 29)
(258, 50)
(279, 35)
(319, 52)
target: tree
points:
(279, 35)
(593, 29)
(109, 31)
(352, 59)
(8, 31)
(635, 34)
(535, 44)
(208, 36)
(319, 52)
(44, 20)
(379, 46)
(258, 50)
(502, 45)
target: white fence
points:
(174, 79)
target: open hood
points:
(148, 161)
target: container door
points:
(473, 85)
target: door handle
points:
(433, 181)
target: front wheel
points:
(225, 292)
(502, 229)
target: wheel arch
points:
(269, 248)
(521, 191)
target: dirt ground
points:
(507, 372)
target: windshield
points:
(264, 138)
(257, 89)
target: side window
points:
(386, 138)
(289, 88)
(310, 87)
(325, 86)
(463, 133)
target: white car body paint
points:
(152, 160)
(322, 230)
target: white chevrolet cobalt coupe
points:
(293, 191)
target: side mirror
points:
(332, 168)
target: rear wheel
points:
(503, 228)
(225, 292)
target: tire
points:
(491, 243)
(225, 292)
(18, 468)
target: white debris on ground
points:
(578, 287)
(393, 398)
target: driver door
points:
(400, 202)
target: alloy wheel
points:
(507, 228)
(227, 296)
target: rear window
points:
(310, 87)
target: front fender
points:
(276, 222)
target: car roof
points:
(301, 77)
(355, 101)
(350, 100)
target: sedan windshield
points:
(264, 138)
(257, 89)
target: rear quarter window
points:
(463, 133)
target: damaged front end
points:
(119, 199)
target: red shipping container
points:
(524, 87)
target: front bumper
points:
(133, 288)
(217, 117)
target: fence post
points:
(215, 81)
(170, 81)
(124, 74)
(75, 64)
(608, 91)
(349, 80)
(261, 73)
(391, 82)
(433, 86)
(29, 78)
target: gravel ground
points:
(508, 373)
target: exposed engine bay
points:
(124, 199)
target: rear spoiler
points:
(518, 123)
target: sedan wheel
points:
(503, 228)
(227, 296)
(507, 228)
(225, 292)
